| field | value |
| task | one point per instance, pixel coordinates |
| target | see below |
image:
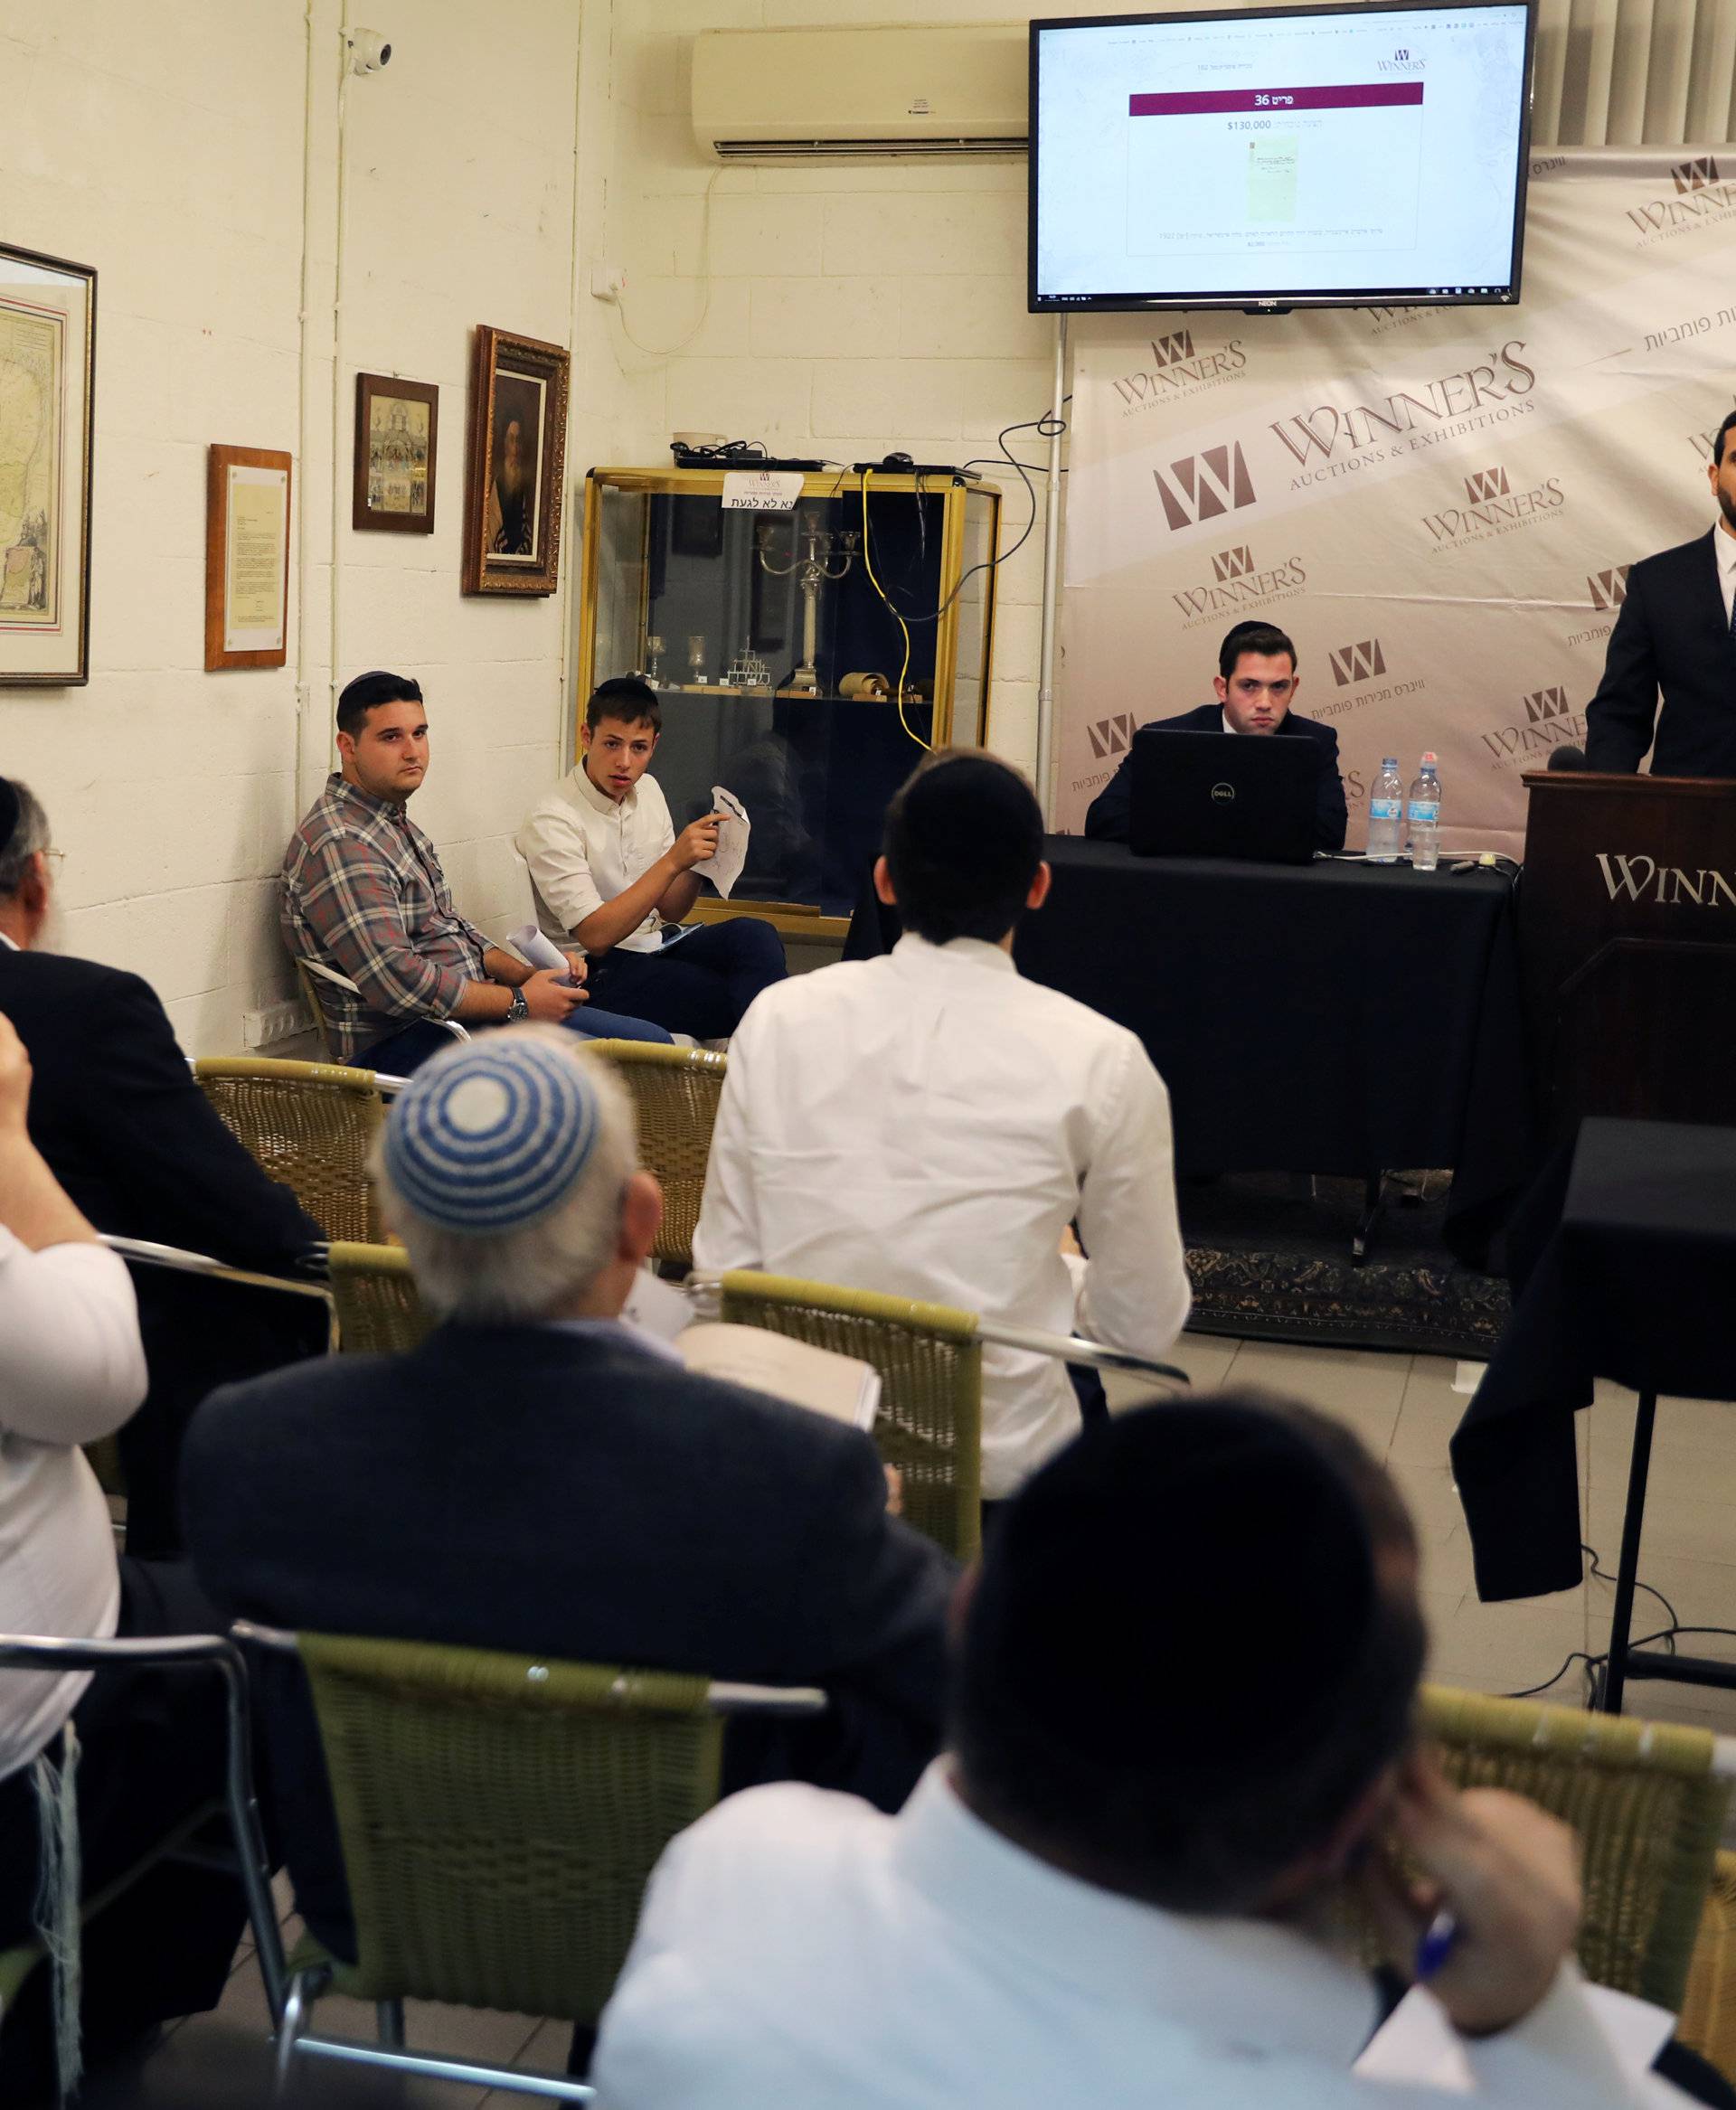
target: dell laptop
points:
(1224, 795)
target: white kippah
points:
(494, 1138)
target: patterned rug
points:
(1271, 1260)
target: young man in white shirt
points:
(611, 874)
(1182, 1716)
(929, 1124)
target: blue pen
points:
(1438, 1940)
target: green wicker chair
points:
(375, 1293)
(1648, 1808)
(675, 1091)
(499, 1818)
(310, 1124)
(931, 1363)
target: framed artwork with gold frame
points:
(397, 446)
(516, 465)
(48, 363)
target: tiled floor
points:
(1404, 1408)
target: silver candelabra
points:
(823, 556)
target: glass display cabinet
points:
(803, 656)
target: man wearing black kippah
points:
(1182, 1719)
(363, 895)
(928, 1124)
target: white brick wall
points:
(165, 147)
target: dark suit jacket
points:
(569, 1495)
(1105, 818)
(1671, 635)
(128, 1134)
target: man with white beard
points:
(510, 497)
(125, 1130)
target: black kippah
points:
(1194, 1581)
(9, 810)
(378, 687)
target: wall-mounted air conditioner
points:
(823, 94)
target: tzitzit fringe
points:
(58, 1888)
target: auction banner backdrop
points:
(1440, 505)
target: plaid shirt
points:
(363, 891)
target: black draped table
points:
(1342, 1018)
(1633, 1283)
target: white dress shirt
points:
(927, 1124)
(71, 1370)
(798, 1948)
(1723, 543)
(584, 849)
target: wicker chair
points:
(311, 977)
(675, 1091)
(929, 1360)
(310, 1124)
(375, 1293)
(1648, 1807)
(499, 1818)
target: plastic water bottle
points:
(1425, 816)
(1386, 814)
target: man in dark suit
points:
(1675, 634)
(128, 1134)
(541, 1478)
(1256, 683)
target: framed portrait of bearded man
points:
(515, 478)
(48, 340)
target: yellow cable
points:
(899, 619)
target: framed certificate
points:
(48, 340)
(247, 557)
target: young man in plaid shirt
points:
(363, 891)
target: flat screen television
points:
(1335, 156)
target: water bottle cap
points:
(1428, 759)
(1388, 761)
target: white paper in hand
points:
(529, 943)
(1418, 2046)
(726, 868)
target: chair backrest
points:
(309, 986)
(675, 1092)
(931, 1363)
(310, 1124)
(378, 1309)
(500, 1816)
(1642, 1797)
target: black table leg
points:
(1633, 1523)
(1371, 1188)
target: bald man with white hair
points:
(538, 1476)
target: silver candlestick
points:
(823, 556)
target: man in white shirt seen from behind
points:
(1181, 1720)
(149, 1743)
(611, 874)
(929, 1124)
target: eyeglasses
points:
(54, 859)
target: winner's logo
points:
(1178, 369)
(1550, 720)
(1111, 736)
(1238, 585)
(1485, 484)
(1203, 486)
(1358, 663)
(1177, 345)
(1609, 589)
(1493, 507)
(1695, 175)
(1542, 704)
(1232, 564)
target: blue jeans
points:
(400, 1053)
(702, 985)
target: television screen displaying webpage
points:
(1324, 156)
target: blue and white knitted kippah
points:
(494, 1138)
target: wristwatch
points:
(517, 1009)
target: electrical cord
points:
(868, 560)
(665, 351)
(1594, 1663)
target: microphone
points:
(1567, 758)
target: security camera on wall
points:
(369, 51)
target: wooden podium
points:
(1627, 942)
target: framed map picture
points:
(247, 557)
(397, 437)
(48, 341)
(515, 473)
